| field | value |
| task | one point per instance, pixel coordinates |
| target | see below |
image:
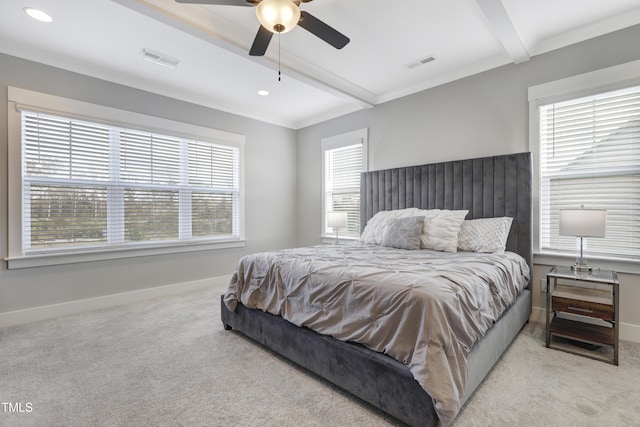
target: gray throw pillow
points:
(403, 233)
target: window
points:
(590, 155)
(344, 158)
(89, 185)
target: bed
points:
(490, 187)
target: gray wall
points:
(482, 115)
(270, 194)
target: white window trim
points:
(604, 80)
(40, 102)
(330, 143)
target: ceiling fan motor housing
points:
(283, 16)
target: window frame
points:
(331, 143)
(22, 99)
(583, 85)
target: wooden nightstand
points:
(583, 307)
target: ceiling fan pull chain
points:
(279, 36)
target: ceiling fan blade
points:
(261, 42)
(219, 2)
(322, 30)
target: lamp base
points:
(582, 268)
(581, 265)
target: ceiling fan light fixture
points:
(278, 16)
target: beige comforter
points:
(425, 309)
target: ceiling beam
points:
(504, 29)
(226, 37)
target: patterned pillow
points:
(484, 235)
(403, 233)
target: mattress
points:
(425, 309)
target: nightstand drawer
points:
(583, 308)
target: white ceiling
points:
(105, 38)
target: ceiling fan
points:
(281, 16)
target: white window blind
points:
(590, 155)
(90, 185)
(343, 166)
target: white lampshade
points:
(336, 219)
(278, 16)
(583, 222)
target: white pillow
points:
(441, 228)
(484, 235)
(374, 230)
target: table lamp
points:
(582, 223)
(336, 220)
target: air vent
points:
(420, 62)
(160, 58)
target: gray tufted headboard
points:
(487, 187)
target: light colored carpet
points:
(168, 361)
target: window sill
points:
(621, 265)
(41, 260)
(332, 239)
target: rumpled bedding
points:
(425, 309)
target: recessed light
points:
(263, 92)
(37, 14)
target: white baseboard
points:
(28, 315)
(538, 315)
(628, 331)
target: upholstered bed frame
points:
(487, 187)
